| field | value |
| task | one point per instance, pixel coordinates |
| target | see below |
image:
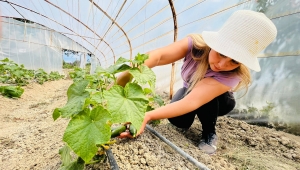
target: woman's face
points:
(219, 62)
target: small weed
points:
(37, 105)
(155, 122)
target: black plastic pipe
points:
(111, 159)
(177, 149)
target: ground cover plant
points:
(17, 75)
(99, 109)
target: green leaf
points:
(87, 129)
(159, 100)
(143, 75)
(122, 60)
(140, 59)
(76, 99)
(5, 60)
(113, 69)
(65, 155)
(97, 97)
(77, 75)
(117, 68)
(152, 85)
(56, 113)
(76, 165)
(19, 73)
(149, 108)
(127, 104)
(11, 91)
(99, 69)
(147, 91)
(11, 67)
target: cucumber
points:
(116, 131)
(132, 130)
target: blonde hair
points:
(198, 44)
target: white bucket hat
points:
(242, 37)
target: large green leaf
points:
(87, 129)
(127, 104)
(143, 75)
(76, 99)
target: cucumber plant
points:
(12, 73)
(17, 75)
(96, 103)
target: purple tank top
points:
(190, 66)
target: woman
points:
(215, 65)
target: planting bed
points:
(30, 139)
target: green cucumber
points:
(132, 130)
(116, 131)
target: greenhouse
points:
(63, 105)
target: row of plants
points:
(98, 109)
(17, 75)
(72, 65)
(266, 116)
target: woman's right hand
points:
(145, 121)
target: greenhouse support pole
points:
(177, 149)
(175, 39)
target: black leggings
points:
(207, 113)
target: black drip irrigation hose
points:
(180, 151)
(114, 165)
(112, 161)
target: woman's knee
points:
(179, 94)
(226, 103)
(184, 121)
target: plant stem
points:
(92, 162)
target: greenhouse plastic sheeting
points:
(34, 45)
(111, 29)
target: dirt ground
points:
(30, 139)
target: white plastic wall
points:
(35, 46)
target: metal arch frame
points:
(114, 22)
(51, 20)
(109, 17)
(175, 39)
(112, 25)
(101, 39)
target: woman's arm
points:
(160, 56)
(204, 91)
(167, 54)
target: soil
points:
(30, 139)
